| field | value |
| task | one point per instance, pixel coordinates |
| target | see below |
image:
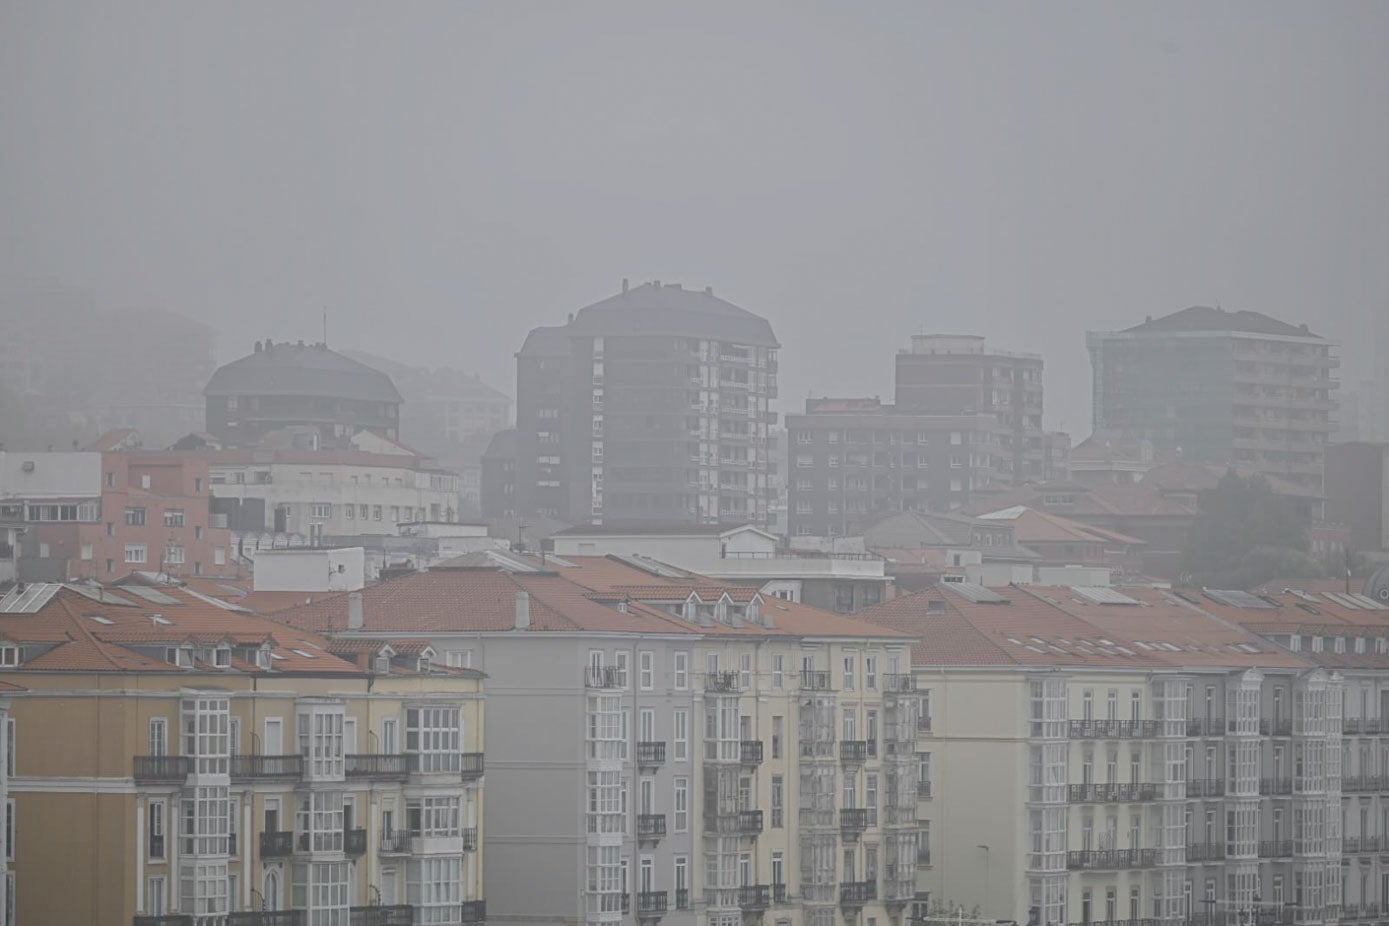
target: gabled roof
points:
(301, 370)
(1031, 526)
(1205, 318)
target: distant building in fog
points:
(499, 475)
(1357, 493)
(1213, 386)
(299, 385)
(651, 406)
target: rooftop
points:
(301, 370)
(1205, 318)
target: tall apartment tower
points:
(947, 374)
(1222, 387)
(650, 407)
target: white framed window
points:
(870, 673)
(435, 887)
(204, 823)
(434, 817)
(173, 517)
(435, 734)
(9, 655)
(173, 554)
(325, 511)
(321, 888)
(320, 816)
(620, 659)
(9, 829)
(778, 670)
(646, 670)
(321, 740)
(745, 671)
(155, 815)
(681, 745)
(159, 736)
(682, 670)
(850, 671)
(136, 553)
(206, 733)
(681, 804)
(156, 897)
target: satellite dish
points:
(1377, 585)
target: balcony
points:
(779, 893)
(651, 905)
(162, 768)
(1275, 786)
(354, 842)
(267, 767)
(472, 911)
(923, 723)
(857, 893)
(393, 843)
(469, 837)
(682, 898)
(1205, 851)
(1205, 787)
(651, 825)
(726, 681)
(397, 915)
(853, 752)
(750, 752)
(651, 754)
(379, 766)
(1112, 729)
(267, 918)
(167, 919)
(1276, 848)
(754, 897)
(1361, 844)
(1354, 783)
(1277, 726)
(852, 822)
(742, 823)
(601, 677)
(923, 789)
(278, 844)
(471, 765)
(815, 679)
(1111, 793)
(1110, 859)
(1208, 726)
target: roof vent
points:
(523, 610)
(355, 616)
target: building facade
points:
(299, 385)
(709, 756)
(1357, 493)
(215, 768)
(652, 406)
(1213, 386)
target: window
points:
(136, 553)
(850, 669)
(173, 555)
(778, 670)
(433, 817)
(87, 551)
(159, 736)
(620, 668)
(435, 734)
(870, 673)
(646, 668)
(219, 556)
(321, 741)
(320, 510)
(135, 517)
(778, 735)
(745, 671)
(206, 736)
(156, 829)
(778, 801)
(205, 821)
(681, 747)
(682, 804)
(9, 655)
(173, 517)
(682, 671)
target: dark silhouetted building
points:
(651, 406)
(1357, 492)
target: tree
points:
(1246, 534)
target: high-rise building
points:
(1213, 386)
(947, 374)
(652, 406)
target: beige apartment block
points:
(666, 748)
(212, 768)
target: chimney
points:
(354, 610)
(624, 286)
(708, 290)
(523, 610)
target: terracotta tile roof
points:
(1051, 626)
(273, 602)
(1031, 525)
(99, 636)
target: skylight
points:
(101, 619)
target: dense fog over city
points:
(443, 177)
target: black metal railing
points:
(601, 677)
(276, 844)
(726, 680)
(651, 753)
(1205, 787)
(394, 915)
(651, 903)
(1111, 792)
(156, 845)
(472, 911)
(267, 918)
(923, 723)
(1275, 848)
(682, 898)
(755, 896)
(815, 679)
(1275, 786)
(1276, 726)
(857, 893)
(469, 837)
(1205, 726)
(853, 751)
(396, 841)
(164, 919)
(354, 841)
(651, 825)
(779, 893)
(267, 766)
(923, 788)
(1205, 851)
(1353, 783)
(379, 765)
(1361, 844)
(1112, 729)
(852, 821)
(898, 681)
(471, 765)
(1110, 859)
(162, 768)
(750, 752)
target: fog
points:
(442, 177)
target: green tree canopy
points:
(1246, 534)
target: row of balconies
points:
(375, 915)
(1362, 844)
(378, 766)
(1206, 727)
(1110, 859)
(282, 843)
(1111, 792)
(1354, 783)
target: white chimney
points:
(354, 610)
(523, 610)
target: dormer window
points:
(221, 657)
(179, 656)
(9, 655)
(423, 664)
(383, 664)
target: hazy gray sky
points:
(445, 176)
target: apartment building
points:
(709, 755)
(1219, 387)
(854, 461)
(102, 516)
(651, 406)
(305, 386)
(1122, 757)
(178, 761)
